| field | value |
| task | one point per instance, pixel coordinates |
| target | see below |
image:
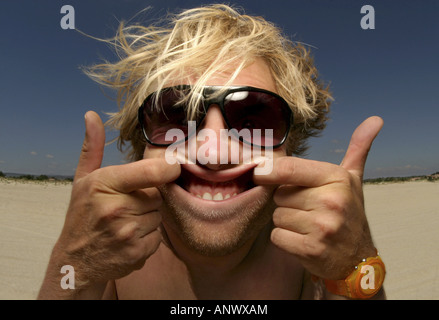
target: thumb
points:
(93, 147)
(361, 142)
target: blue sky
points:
(391, 71)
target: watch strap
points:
(363, 283)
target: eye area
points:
(263, 114)
(248, 124)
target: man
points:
(215, 229)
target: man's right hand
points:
(112, 222)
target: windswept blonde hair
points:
(197, 44)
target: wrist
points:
(68, 277)
(364, 282)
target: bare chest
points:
(275, 278)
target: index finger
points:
(141, 174)
(301, 172)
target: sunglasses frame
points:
(207, 93)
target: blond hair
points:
(198, 44)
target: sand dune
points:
(31, 218)
(404, 220)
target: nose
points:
(212, 141)
(214, 119)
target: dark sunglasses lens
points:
(255, 110)
(163, 114)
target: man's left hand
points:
(320, 216)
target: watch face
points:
(370, 278)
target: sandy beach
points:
(404, 219)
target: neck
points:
(212, 271)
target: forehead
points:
(257, 74)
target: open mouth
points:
(215, 186)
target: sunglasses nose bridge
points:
(212, 118)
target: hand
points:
(112, 222)
(320, 216)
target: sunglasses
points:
(241, 107)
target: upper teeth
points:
(217, 197)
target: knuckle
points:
(334, 201)
(133, 258)
(94, 183)
(279, 217)
(314, 249)
(139, 254)
(108, 214)
(127, 233)
(276, 217)
(328, 228)
(276, 236)
(342, 175)
(282, 194)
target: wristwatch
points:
(363, 283)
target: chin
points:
(216, 212)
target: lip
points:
(218, 175)
(216, 210)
